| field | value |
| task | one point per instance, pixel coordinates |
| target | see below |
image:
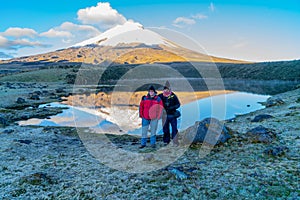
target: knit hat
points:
(152, 88)
(167, 85)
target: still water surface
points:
(225, 106)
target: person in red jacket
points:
(151, 107)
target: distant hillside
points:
(284, 70)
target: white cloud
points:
(19, 32)
(200, 16)
(91, 19)
(212, 7)
(182, 21)
(52, 33)
(71, 26)
(90, 31)
(19, 43)
(3, 41)
(70, 32)
(102, 15)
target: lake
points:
(124, 119)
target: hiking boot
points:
(153, 146)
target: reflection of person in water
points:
(150, 111)
(170, 114)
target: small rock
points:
(8, 131)
(149, 157)
(37, 92)
(20, 100)
(274, 101)
(34, 97)
(261, 134)
(291, 114)
(37, 179)
(294, 108)
(180, 175)
(60, 90)
(25, 141)
(25, 116)
(3, 122)
(276, 151)
(230, 120)
(262, 117)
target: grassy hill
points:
(284, 70)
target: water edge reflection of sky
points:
(225, 106)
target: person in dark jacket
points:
(151, 107)
(170, 114)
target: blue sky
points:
(250, 30)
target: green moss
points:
(18, 192)
(278, 191)
(3, 110)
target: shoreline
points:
(52, 162)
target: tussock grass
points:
(44, 75)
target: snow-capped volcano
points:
(129, 43)
(130, 32)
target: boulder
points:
(209, 130)
(274, 101)
(262, 117)
(20, 100)
(261, 134)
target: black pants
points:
(167, 121)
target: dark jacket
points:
(151, 107)
(171, 103)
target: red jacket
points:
(151, 107)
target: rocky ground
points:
(59, 163)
